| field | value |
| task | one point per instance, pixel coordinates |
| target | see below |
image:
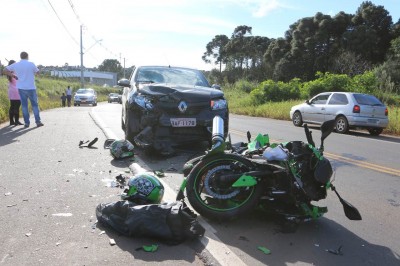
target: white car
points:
(85, 96)
(348, 109)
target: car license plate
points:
(375, 121)
(183, 122)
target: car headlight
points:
(143, 102)
(218, 104)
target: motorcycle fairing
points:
(245, 181)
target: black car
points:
(164, 106)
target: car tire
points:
(297, 119)
(341, 125)
(375, 131)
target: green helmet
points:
(144, 189)
(120, 149)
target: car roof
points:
(162, 66)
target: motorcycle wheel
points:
(218, 200)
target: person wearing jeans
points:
(25, 72)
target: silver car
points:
(348, 109)
(85, 96)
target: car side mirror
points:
(307, 102)
(123, 83)
(216, 86)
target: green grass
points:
(241, 102)
(49, 92)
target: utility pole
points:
(124, 67)
(82, 78)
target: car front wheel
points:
(375, 131)
(297, 119)
(342, 126)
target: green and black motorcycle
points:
(284, 178)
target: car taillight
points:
(386, 112)
(356, 109)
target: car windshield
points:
(171, 75)
(84, 91)
(366, 99)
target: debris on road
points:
(265, 250)
(159, 173)
(151, 248)
(336, 252)
(90, 144)
(112, 242)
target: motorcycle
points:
(229, 181)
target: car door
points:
(337, 104)
(314, 112)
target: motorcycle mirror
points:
(248, 136)
(350, 211)
(327, 128)
(309, 135)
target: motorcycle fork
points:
(181, 195)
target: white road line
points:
(221, 252)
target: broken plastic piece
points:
(265, 250)
(336, 252)
(90, 144)
(107, 143)
(159, 173)
(93, 142)
(151, 248)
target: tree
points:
(216, 50)
(111, 65)
(370, 33)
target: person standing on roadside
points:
(69, 96)
(63, 99)
(15, 100)
(25, 72)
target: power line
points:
(62, 23)
(93, 37)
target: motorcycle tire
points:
(218, 200)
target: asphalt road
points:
(50, 188)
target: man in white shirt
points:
(69, 96)
(25, 72)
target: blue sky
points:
(173, 32)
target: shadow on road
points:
(10, 134)
(314, 243)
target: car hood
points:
(84, 94)
(188, 92)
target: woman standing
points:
(15, 100)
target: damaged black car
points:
(164, 106)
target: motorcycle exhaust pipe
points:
(217, 132)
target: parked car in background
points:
(349, 110)
(164, 106)
(85, 96)
(114, 98)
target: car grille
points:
(192, 109)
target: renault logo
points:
(182, 106)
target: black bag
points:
(171, 222)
